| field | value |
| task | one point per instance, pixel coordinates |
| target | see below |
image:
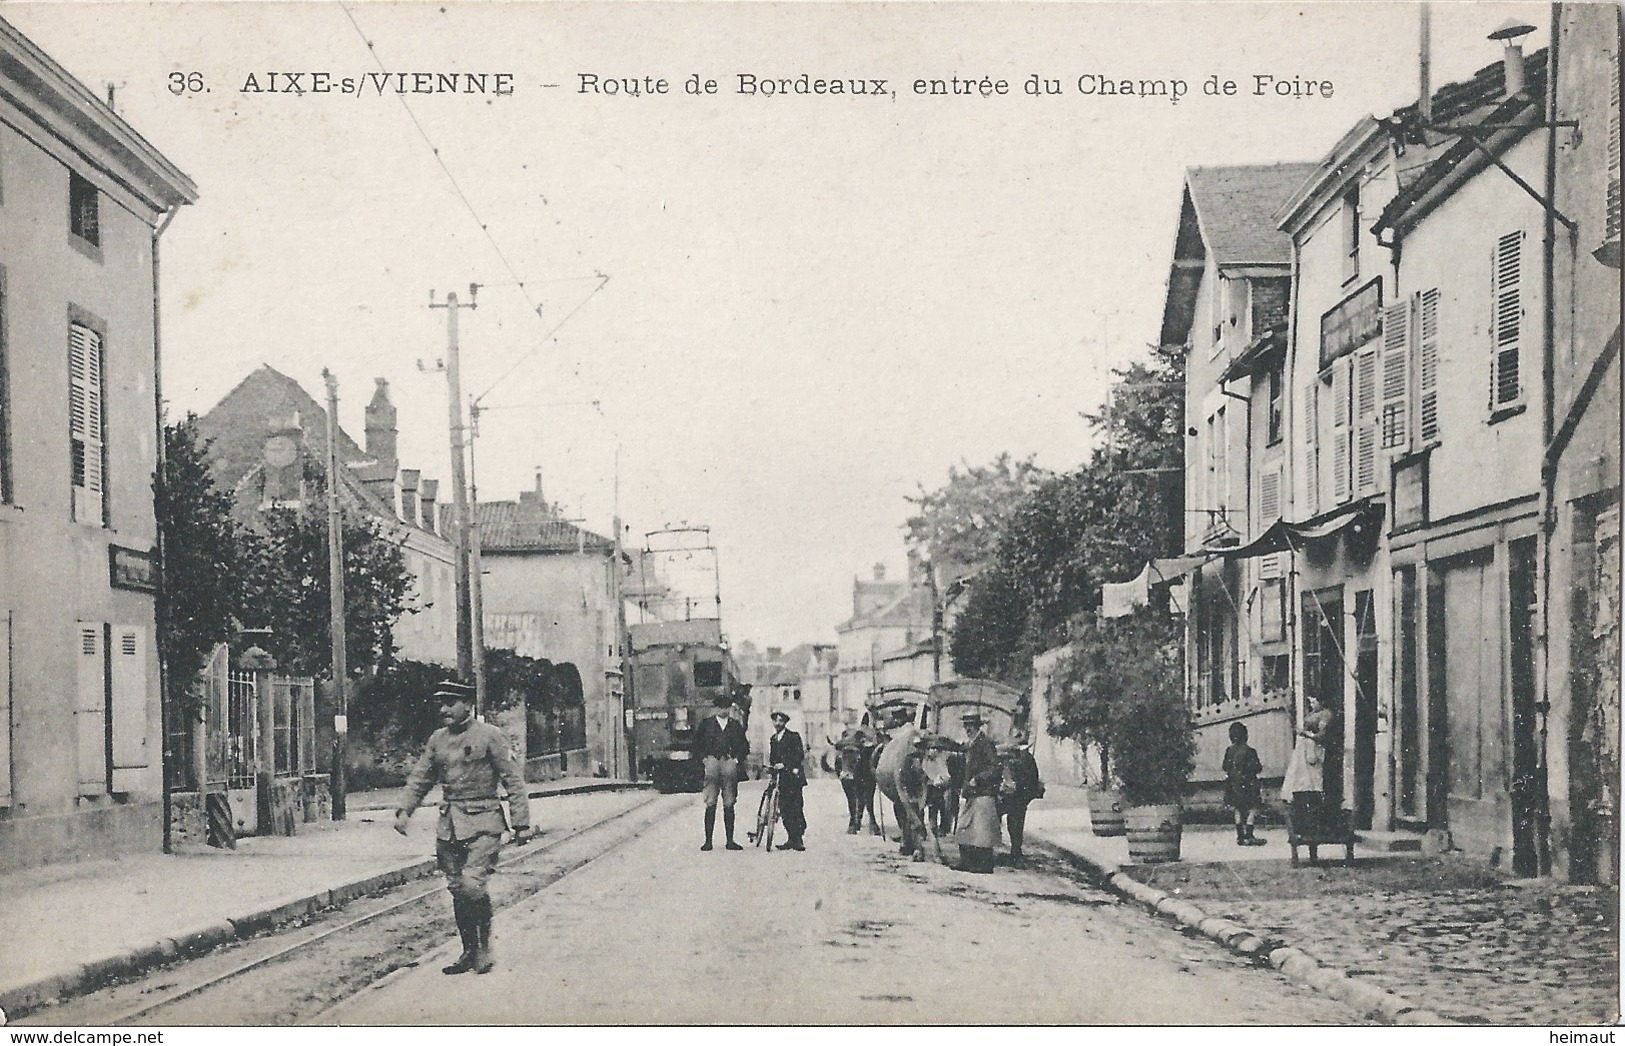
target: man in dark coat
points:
(787, 755)
(721, 747)
(978, 833)
(1018, 758)
(468, 759)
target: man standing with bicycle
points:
(721, 747)
(788, 756)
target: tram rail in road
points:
(323, 943)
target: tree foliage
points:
(201, 584)
(1148, 725)
(957, 526)
(286, 588)
(1074, 532)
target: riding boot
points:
(1242, 831)
(483, 960)
(1252, 840)
(710, 825)
(728, 828)
(467, 932)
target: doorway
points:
(1324, 670)
(1365, 709)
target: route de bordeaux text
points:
(1171, 89)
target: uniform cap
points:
(452, 690)
(972, 717)
(780, 717)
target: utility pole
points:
(476, 575)
(335, 584)
(459, 486)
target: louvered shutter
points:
(1269, 510)
(1427, 367)
(1341, 471)
(1611, 219)
(1365, 421)
(1311, 443)
(129, 686)
(1396, 372)
(85, 425)
(1269, 496)
(1506, 321)
(90, 709)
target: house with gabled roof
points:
(1228, 299)
(886, 615)
(268, 432)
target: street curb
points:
(1369, 999)
(18, 1000)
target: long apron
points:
(979, 823)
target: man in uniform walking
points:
(721, 747)
(788, 755)
(468, 758)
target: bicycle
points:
(767, 813)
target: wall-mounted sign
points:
(1410, 495)
(1351, 323)
(132, 569)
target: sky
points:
(814, 305)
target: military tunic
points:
(468, 762)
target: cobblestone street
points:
(1445, 931)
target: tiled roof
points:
(1481, 99)
(1235, 207)
(505, 526)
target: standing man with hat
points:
(787, 755)
(721, 746)
(468, 758)
(978, 833)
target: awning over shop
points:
(1282, 536)
(1122, 598)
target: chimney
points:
(880, 571)
(1512, 58)
(428, 494)
(531, 502)
(409, 495)
(381, 434)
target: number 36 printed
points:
(186, 83)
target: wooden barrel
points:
(1153, 833)
(1105, 812)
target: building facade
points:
(83, 201)
(551, 590)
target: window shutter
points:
(129, 685)
(1365, 421)
(85, 425)
(1427, 384)
(1506, 321)
(1340, 430)
(90, 709)
(1396, 372)
(1311, 442)
(1269, 496)
(1611, 211)
(1269, 567)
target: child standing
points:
(1241, 791)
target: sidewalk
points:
(70, 928)
(1411, 939)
